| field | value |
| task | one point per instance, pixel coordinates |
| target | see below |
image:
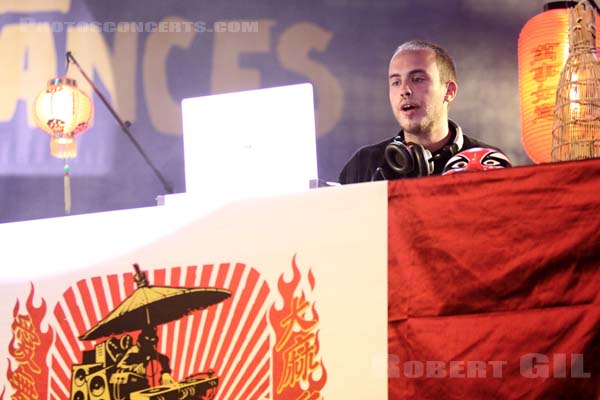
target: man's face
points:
(148, 339)
(418, 98)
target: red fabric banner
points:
(494, 283)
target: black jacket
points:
(368, 163)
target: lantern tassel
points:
(67, 186)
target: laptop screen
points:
(250, 144)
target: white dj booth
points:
(306, 268)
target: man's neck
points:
(432, 142)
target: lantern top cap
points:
(554, 5)
(62, 81)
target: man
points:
(143, 366)
(422, 85)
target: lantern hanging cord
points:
(67, 186)
(123, 124)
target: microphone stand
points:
(123, 124)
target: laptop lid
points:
(250, 144)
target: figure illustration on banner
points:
(118, 337)
(118, 369)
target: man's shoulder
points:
(364, 162)
(376, 148)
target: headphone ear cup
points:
(399, 158)
(422, 156)
(453, 149)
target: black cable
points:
(379, 171)
(123, 124)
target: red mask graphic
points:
(476, 159)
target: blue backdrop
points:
(147, 56)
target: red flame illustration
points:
(298, 371)
(29, 347)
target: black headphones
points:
(413, 160)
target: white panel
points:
(345, 248)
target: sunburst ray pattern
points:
(232, 338)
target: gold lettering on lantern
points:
(544, 111)
(163, 111)
(542, 93)
(546, 51)
(543, 72)
(544, 67)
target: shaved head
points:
(442, 58)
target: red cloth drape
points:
(494, 282)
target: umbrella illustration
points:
(154, 305)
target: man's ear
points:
(451, 89)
